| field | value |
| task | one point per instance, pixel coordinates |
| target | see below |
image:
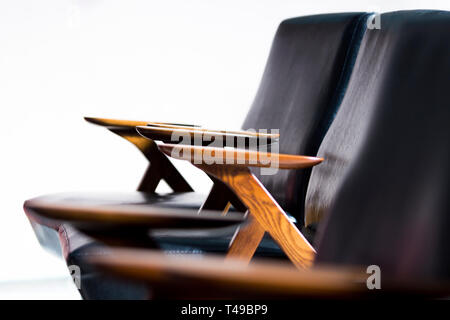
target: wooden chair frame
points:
(233, 183)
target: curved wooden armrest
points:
(97, 213)
(238, 133)
(106, 122)
(194, 136)
(211, 277)
(122, 222)
(237, 157)
(118, 123)
(229, 278)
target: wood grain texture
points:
(237, 157)
(246, 240)
(230, 278)
(220, 197)
(204, 137)
(266, 211)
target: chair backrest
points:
(392, 207)
(301, 89)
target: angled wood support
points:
(246, 240)
(232, 168)
(160, 167)
(267, 214)
(221, 197)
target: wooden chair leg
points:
(160, 166)
(220, 197)
(217, 198)
(266, 211)
(246, 240)
(150, 180)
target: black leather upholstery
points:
(301, 89)
(392, 208)
(345, 135)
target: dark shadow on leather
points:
(392, 208)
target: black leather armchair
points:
(301, 90)
(382, 194)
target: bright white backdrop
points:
(173, 60)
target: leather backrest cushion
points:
(343, 140)
(345, 134)
(301, 88)
(393, 206)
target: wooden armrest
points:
(229, 278)
(105, 122)
(194, 136)
(97, 213)
(237, 157)
(121, 222)
(229, 132)
(212, 277)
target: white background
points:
(173, 60)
